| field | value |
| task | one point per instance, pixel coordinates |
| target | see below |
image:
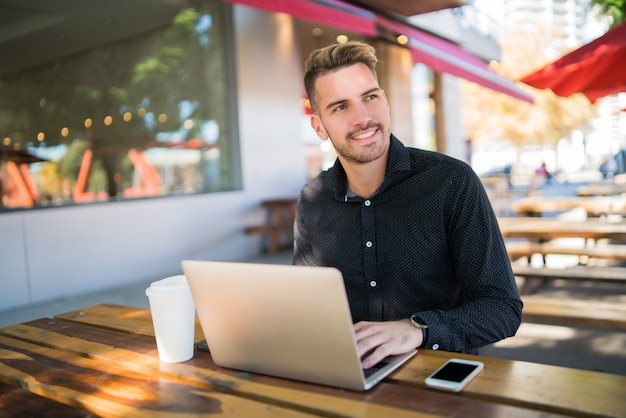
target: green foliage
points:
(616, 9)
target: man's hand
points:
(382, 339)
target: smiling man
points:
(411, 230)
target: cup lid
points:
(173, 284)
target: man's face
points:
(352, 110)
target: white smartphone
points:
(454, 374)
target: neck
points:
(365, 179)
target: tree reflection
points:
(158, 90)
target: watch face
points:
(416, 321)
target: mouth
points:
(366, 134)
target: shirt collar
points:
(399, 161)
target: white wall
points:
(51, 253)
(268, 63)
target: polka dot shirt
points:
(426, 243)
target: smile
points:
(365, 135)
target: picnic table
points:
(546, 229)
(279, 222)
(593, 206)
(102, 360)
(601, 189)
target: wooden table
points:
(601, 189)
(102, 361)
(594, 206)
(551, 228)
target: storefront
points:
(164, 124)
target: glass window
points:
(135, 104)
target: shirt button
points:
(367, 203)
(435, 346)
(369, 244)
(373, 283)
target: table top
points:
(102, 360)
(601, 189)
(551, 228)
(535, 205)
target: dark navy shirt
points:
(426, 243)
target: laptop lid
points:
(280, 320)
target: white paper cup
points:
(173, 317)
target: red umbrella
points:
(596, 69)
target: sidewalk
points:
(582, 348)
(132, 295)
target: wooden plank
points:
(18, 402)
(576, 273)
(546, 388)
(279, 223)
(594, 206)
(551, 228)
(517, 249)
(127, 319)
(601, 189)
(111, 390)
(574, 312)
(266, 229)
(551, 388)
(132, 352)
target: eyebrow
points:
(338, 102)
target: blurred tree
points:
(616, 9)
(493, 116)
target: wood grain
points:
(135, 353)
(559, 392)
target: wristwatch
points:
(417, 322)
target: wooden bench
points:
(534, 277)
(594, 206)
(574, 312)
(577, 273)
(519, 249)
(281, 214)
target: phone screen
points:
(454, 372)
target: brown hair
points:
(335, 57)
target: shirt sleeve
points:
(490, 308)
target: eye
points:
(339, 108)
(371, 97)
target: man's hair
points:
(333, 58)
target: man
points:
(411, 230)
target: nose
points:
(361, 115)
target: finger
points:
(361, 326)
(365, 346)
(374, 358)
(367, 343)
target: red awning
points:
(446, 57)
(438, 54)
(596, 69)
(327, 12)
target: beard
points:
(367, 154)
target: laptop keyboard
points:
(368, 372)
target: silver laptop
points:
(281, 320)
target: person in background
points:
(542, 171)
(411, 230)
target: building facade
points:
(206, 154)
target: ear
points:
(318, 127)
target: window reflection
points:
(143, 117)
